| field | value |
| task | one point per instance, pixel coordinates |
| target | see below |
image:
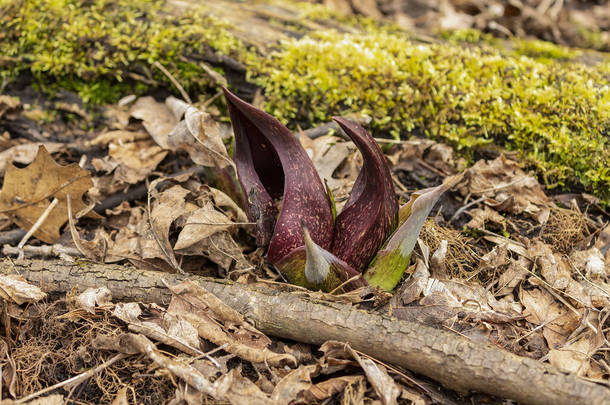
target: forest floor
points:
(502, 260)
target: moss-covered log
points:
(551, 104)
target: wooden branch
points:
(450, 359)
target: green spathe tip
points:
(391, 262)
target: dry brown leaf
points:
(201, 136)
(26, 153)
(8, 104)
(475, 299)
(516, 272)
(223, 201)
(121, 397)
(221, 249)
(156, 117)
(231, 386)
(322, 391)
(603, 242)
(92, 297)
(591, 263)
(385, 387)
(413, 287)
(243, 391)
(573, 357)
(198, 133)
(9, 369)
(201, 224)
(27, 193)
(541, 308)
(480, 217)
(161, 326)
(134, 155)
(166, 208)
(438, 265)
(553, 267)
(327, 153)
(222, 325)
(293, 384)
(503, 180)
(126, 242)
(15, 288)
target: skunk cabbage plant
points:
(293, 213)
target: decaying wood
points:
(452, 360)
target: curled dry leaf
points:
(541, 308)
(14, 288)
(157, 119)
(327, 153)
(516, 272)
(134, 155)
(385, 387)
(166, 208)
(553, 267)
(186, 372)
(198, 133)
(93, 297)
(480, 217)
(200, 224)
(503, 180)
(223, 326)
(27, 193)
(575, 357)
(201, 136)
(161, 326)
(422, 156)
(412, 288)
(326, 389)
(293, 384)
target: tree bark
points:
(450, 359)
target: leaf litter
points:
(500, 260)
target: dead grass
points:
(565, 229)
(55, 346)
(461, 259)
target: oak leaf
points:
(28, 191)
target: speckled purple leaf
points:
(371, 212)
(271, 163)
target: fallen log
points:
(448, 358)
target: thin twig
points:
(465, 207)
(73, 233)
(403, 375)
(175, 82)
(354, 278)
(41, 251)
(38, 223)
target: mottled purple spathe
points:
(271, 163)
(371, 212)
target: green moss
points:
(96, 47)
(468, 35)
(557, 115)
(543, 51)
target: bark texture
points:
(452, 360)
